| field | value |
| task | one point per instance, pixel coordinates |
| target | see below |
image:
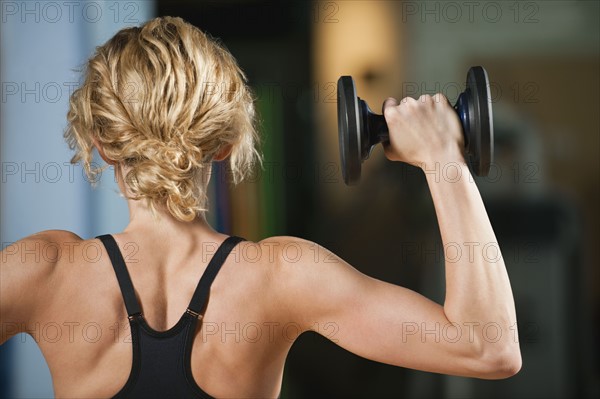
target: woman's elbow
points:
(501, 363)
(508, 365)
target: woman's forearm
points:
(478, 292)
(479, 302)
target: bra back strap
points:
(116, 258)
(202, 290)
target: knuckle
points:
(425, 98)
(440, 98)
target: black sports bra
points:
(161, 366)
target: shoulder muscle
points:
(26, 268)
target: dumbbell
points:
(360, 129)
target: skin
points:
(288, 287)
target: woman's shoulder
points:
(42, 248)
(33, 259)
(289, 248)
(286, 241)
(279, 252)
(27, 268)
(55, 236)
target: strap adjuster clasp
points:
(193, 313)
(132, 317)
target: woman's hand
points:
(423, 131)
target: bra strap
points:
(202, 290)
(116, 258)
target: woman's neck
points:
(143, 220)
(160, 222)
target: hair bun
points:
(145, 100)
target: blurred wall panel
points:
(365, 40)
(541, 245)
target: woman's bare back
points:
(239, 348)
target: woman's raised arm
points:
(474, 333)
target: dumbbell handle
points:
(378, 131)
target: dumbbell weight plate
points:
(350, 125)
(480, 131)
(360, 129)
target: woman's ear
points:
(223, 153)
(101, 152)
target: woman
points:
(160, 311)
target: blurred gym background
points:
(542, 195)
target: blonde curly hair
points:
(163, 99)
